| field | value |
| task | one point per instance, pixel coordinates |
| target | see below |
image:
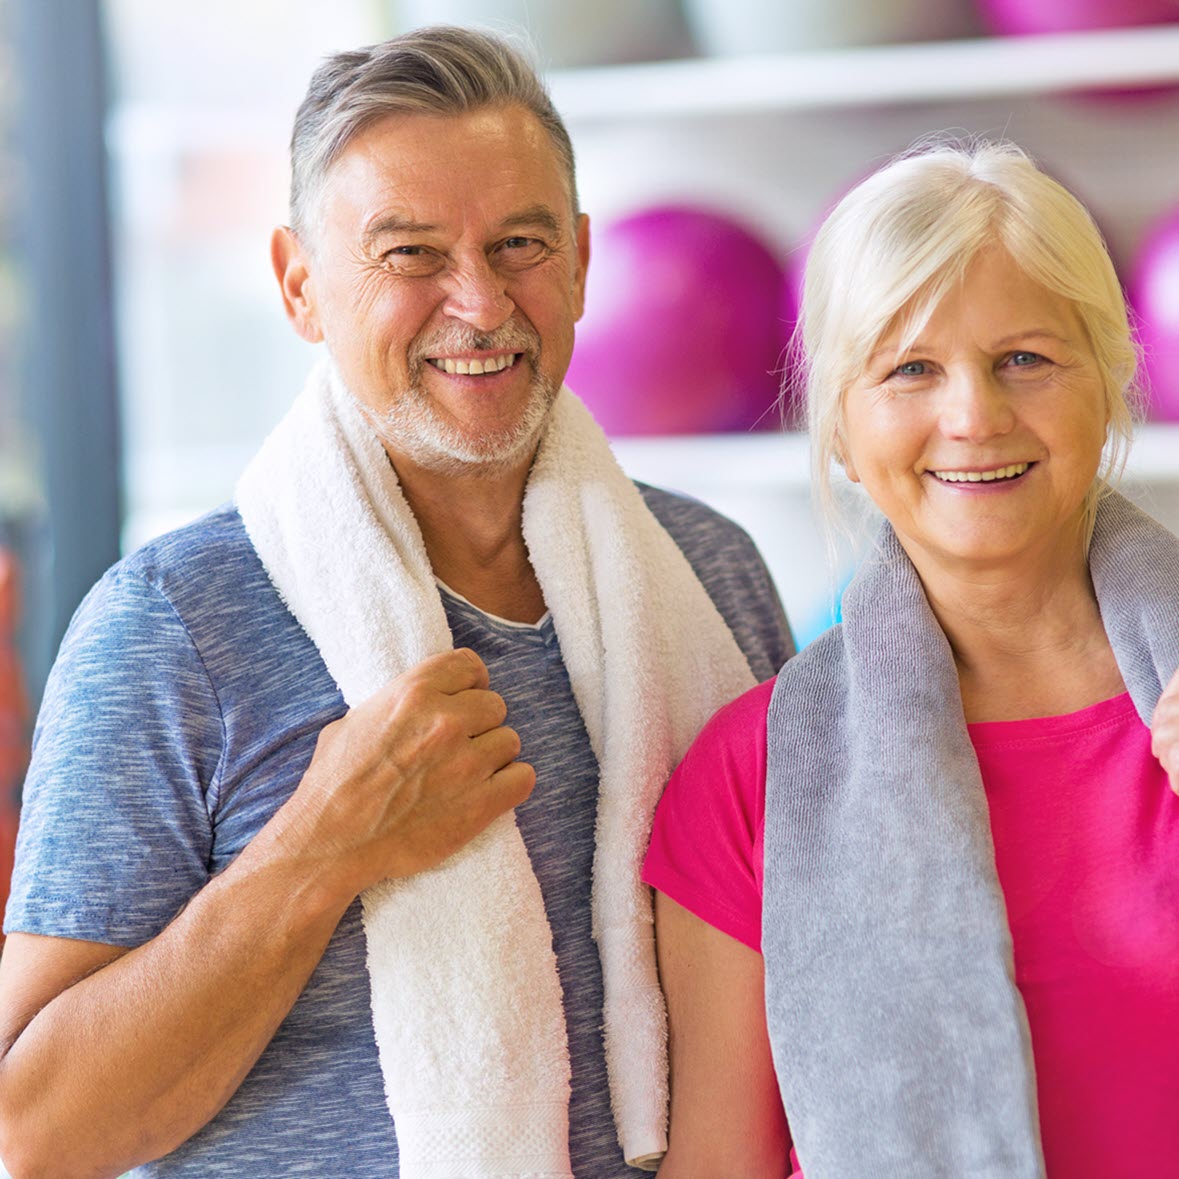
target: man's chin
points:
(440, 448)
(414, 428)
(461, 460)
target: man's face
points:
(445, 274)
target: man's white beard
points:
(414, 426)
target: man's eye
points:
(521, 250)
(411, 260)
(409, 253)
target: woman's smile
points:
(989, 476)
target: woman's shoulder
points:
(736, 720)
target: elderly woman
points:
(943, 826)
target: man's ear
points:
(583, 257)
(291, 268)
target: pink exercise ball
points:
(682, 330)
(1015, 17)
(1154, 295)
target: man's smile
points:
(474, 366)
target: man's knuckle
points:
(444, 729)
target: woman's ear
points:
(839, 450)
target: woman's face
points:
(980, 442)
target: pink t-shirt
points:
(1086, 835)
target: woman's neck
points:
(1027, 638)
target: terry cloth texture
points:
(898, 1035)
(466, 998)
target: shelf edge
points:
(966, 69)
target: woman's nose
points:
(975, 407)
(477, 294)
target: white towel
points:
(466, 1000)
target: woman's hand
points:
(1164, 731)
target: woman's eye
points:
(1024, 359)
(911, 368)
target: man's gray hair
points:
(442, 70)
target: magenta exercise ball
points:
(681, 332)
(1014, 17)
(1154, 296)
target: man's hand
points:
(1164, 731)
(412, 774)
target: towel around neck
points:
(899, 1037)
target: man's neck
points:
(471, 525)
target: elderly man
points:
(292, 897)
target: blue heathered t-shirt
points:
(184, 708)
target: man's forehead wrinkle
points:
(394, 219)
(379, 190)
(538, 214)
(383, 223)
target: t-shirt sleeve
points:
(706, 844)
(115, 831)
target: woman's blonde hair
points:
(898, 241)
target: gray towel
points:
(899, 1037)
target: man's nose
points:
(477, 294)
(975, 406)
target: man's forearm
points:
(132, 1060)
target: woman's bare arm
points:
(726, 1112)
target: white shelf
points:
(819, 79)
(934, 71)
(1154, 457)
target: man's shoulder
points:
(213, 541)
(197, 597)
(205, 573)
(683, 515)
(715, 546)
(206, 565)
(731, 569)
